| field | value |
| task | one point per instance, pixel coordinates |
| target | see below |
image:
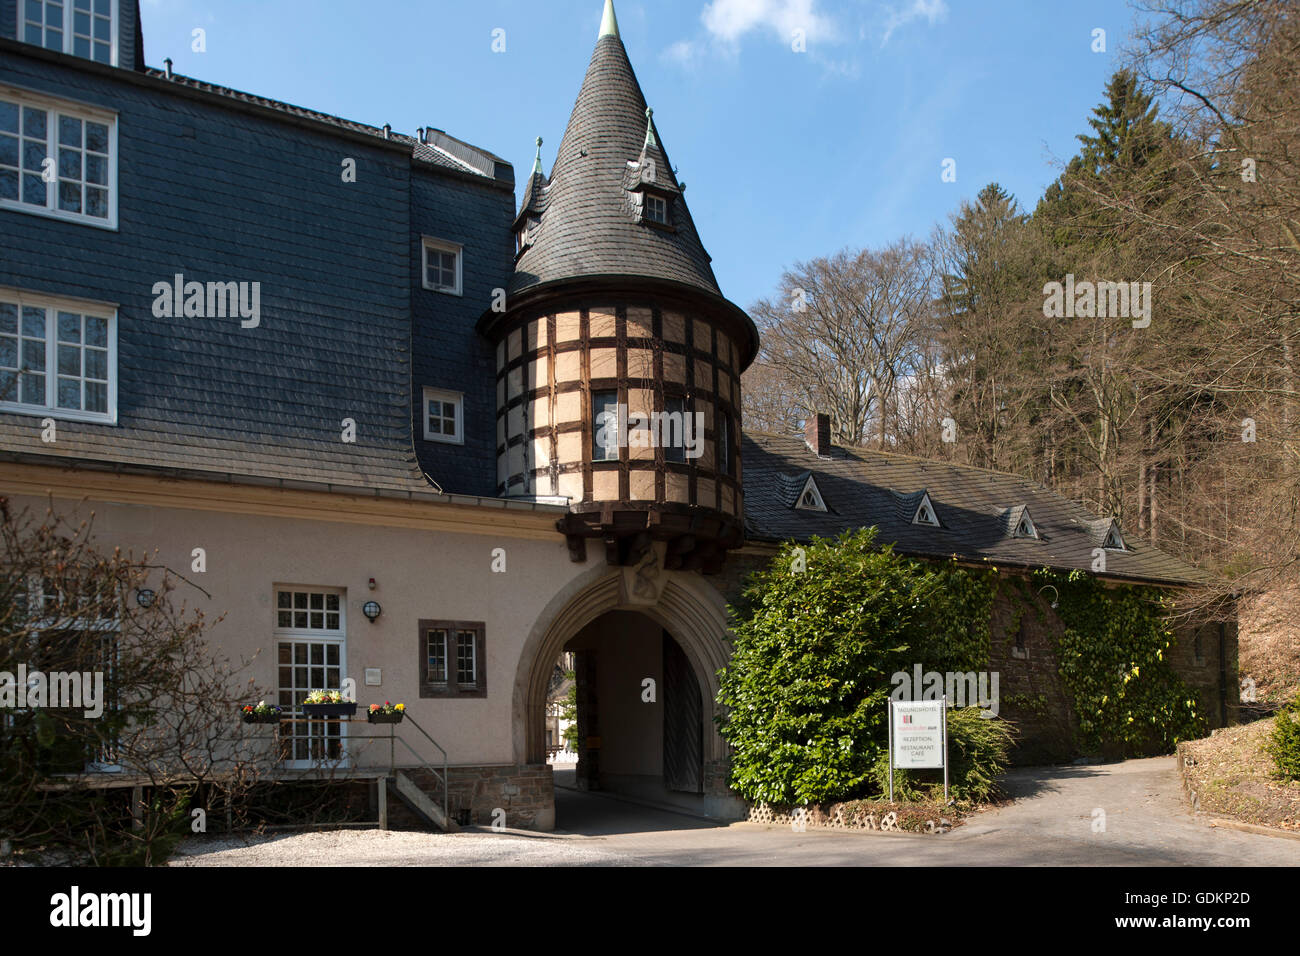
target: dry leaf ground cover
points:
(1234, 777)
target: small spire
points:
(608, 22)
(537, 163)
(650, 128)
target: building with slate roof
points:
(414, 440)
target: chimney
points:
(817, 432)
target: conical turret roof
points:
(590, 222)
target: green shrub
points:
(818, 634)
(978, 751)
(1284, 743)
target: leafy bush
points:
(818, 634)
(978, 751)
(1284, 743)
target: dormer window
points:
(1113, 542)
(810, 498)
(656, 209)
(81, 27)
(925, 513)
(1024, 526)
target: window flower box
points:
(260, 713)
(328, 703)
(388, 713)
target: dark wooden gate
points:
(683, 722)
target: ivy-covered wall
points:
(1108, 652)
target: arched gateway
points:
(684, 604)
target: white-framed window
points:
(810, 498)
(444, 416)
(441, 266)
(466, 658)
(437, 656)
(311, 654)
(73, 634)
(451, 657)
(57, 357)
(58, 159)
(86, 28)
(925, 513)
(656, 209)
(604, 425)
(1025, 527)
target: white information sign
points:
(917, 734)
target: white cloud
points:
(935, 11)
(729, 20)
(686, 53)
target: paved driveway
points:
(1054, 821)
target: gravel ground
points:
(391, 848)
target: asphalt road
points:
(1057, 819)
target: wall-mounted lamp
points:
(371, 610)
(144, 597)
(1057, 599)
(372, 584)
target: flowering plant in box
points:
(326, 697)
(387, 713)
(260, 713)
(328, 703)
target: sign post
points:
(918, 738)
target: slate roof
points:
(588, 226)
(864, 488)
(440, 149)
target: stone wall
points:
(526, 793)
(1023, 652)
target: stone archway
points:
(684, 603)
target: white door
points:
(311, 654)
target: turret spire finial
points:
(608, 22)
(537, 162)
(650, 128)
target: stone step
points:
(420, 802)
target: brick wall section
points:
(1215, 668)
(522, 791)
(1030, 691)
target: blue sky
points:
(787, 155)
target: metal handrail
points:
(446, 782)
(393, 737)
